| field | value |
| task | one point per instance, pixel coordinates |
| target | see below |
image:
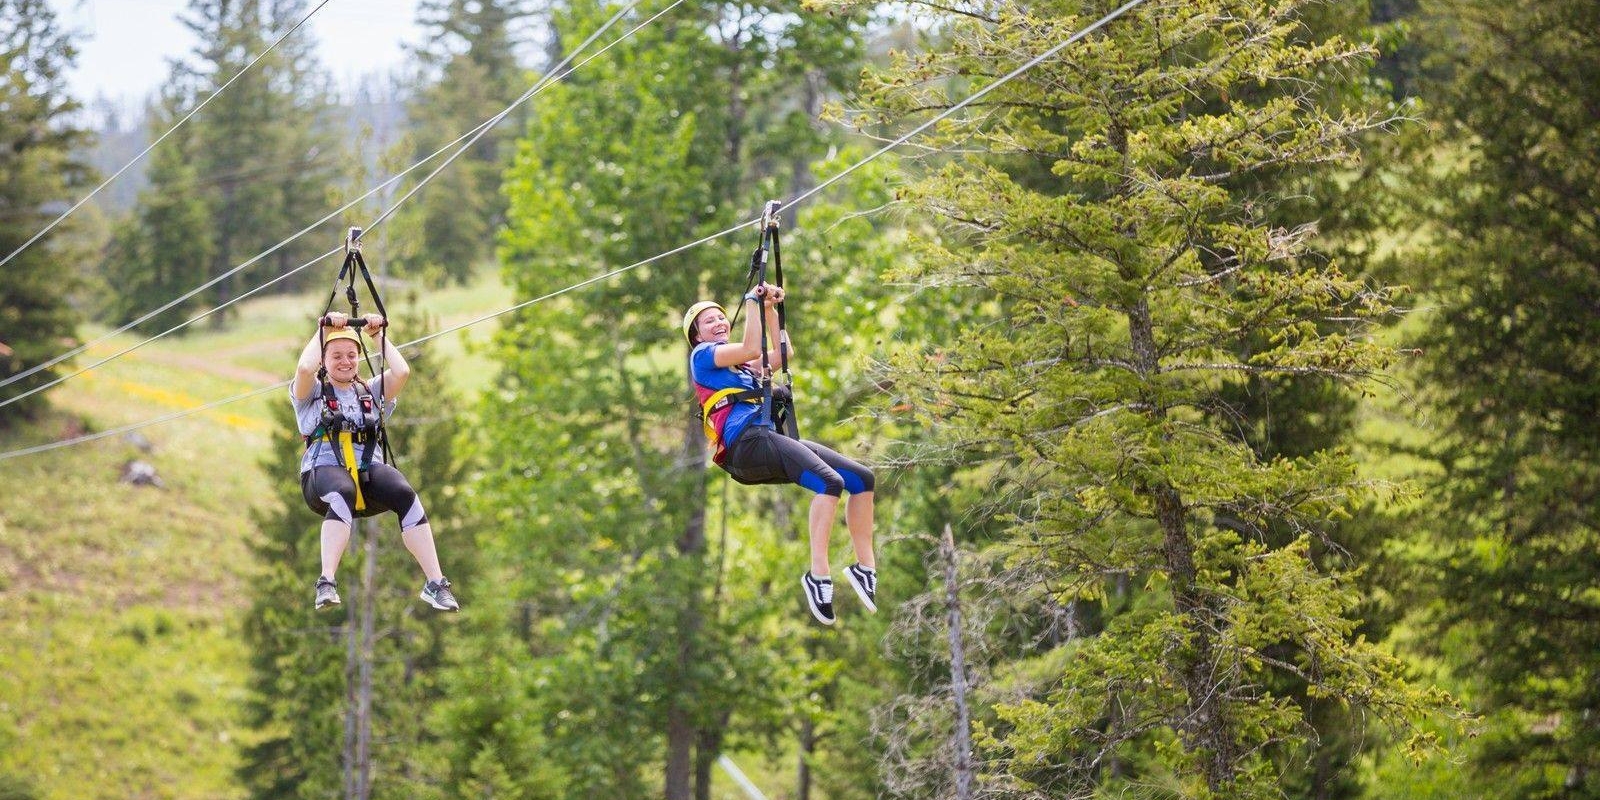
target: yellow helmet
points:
(340, 333)
(694, 313)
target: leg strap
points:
(348, 450)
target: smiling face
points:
(342, 359)
(711, 326)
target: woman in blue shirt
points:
(751, 449)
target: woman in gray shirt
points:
(342, 474)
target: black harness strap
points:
(371, 432)
(777, 408)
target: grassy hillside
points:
(124, 670)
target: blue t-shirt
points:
(703, 366)
(308, 413)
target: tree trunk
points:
(808, 745)
(801, 179)
(681, 733)
(680, 741)
(368, 614)
(961, 739)
(705, 757)
(347, 750)
(1205, 727)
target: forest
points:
(1220, 371)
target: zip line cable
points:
(470, 137)
(130, 348)
(550, 77)
(975, 96)
(133, 426)
(125, 167)
(970, 99)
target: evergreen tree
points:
(296, 655)
(1130, 263)
(1512, 380)
(261, 147)
(164, 249)
(469, 65)
(38, 172)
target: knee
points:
(824, 481)
(859, 481)
(413, 516)
(339, 505)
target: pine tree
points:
(1509, 375)
(38, 171)
(1122, 284)
(164, 249)
(260, 147)
(471, 72)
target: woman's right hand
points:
(335, 319)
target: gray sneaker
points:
(437, 594)
(327, 592)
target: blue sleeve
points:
(703, 362)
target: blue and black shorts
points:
(762, 455)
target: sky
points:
(124, 45)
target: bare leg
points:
(419, 541)
(858, 516)
(823, 508)
(335, 536)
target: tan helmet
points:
(340, 333)
(694, 313)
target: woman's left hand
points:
(375, 323)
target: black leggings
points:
(330, 492)
(762, 455)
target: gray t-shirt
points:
(308, 412)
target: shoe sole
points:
(327, 603)
(861, 592)
(429, 601)
(815, 612)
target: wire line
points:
(1031, 63)
(125, 167)
(556, 73)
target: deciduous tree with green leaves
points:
(657, 644)
(1121, 284)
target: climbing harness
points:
(341, 432)
(776, 402)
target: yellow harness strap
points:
(711, 403)
(347, 447)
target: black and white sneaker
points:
(865, 581)
(327, 592)
(819, 596)
(437, 594)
